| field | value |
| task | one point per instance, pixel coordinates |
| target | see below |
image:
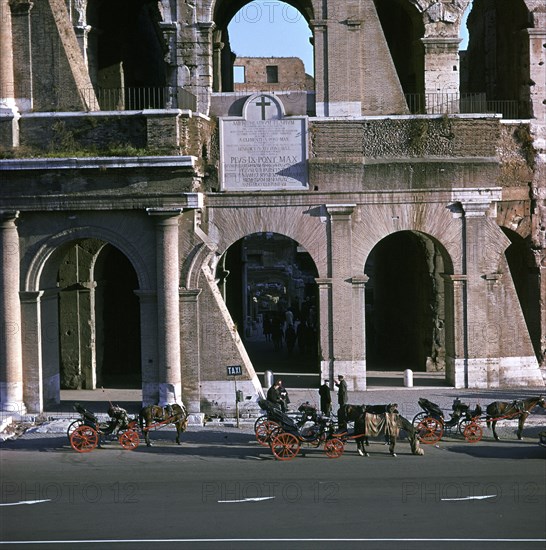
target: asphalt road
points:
(221, 490)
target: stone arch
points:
(38, 265)
(305, 225)
(43, 308)
(221, 12)
(406, 313)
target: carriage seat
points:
(88, 416)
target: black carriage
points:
(285, 433)
(431, 424)
(87, 432)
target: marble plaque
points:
(263, 150)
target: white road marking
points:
(254, 499)
(476, 497)
(254, 540)
(24, 502)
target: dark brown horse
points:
(156, 416)
(507, 410)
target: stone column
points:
(320, 35)
(168, 315)
(9, 134)
(190, 352)
(7, 88)
(33, 380)
(441, 74)
(537, 73)
(217, 62)
(11, 355)
(22, 54)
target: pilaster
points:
(149, 346)
(190, 352)
(11, 354)
(22, 53)
(442, 72)
(347, 325)
(33, 383)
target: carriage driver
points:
(278, 395)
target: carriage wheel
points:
(334, 447)
(473, 432)
(285, 446)
(419, 417)
(259, 421)
(72, 426)
(430, 430)
(84, 439)
(265, 432)
(129, 440)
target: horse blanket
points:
(378, 424)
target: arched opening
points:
(403, 28)
(258, 46)
(268, 283)
(526, 277)
(126, 52)
(118, 321)
(496, 61)
(405, 306)
(97, 315)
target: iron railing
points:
(129, 99)
(455, 103)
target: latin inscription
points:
(264, 154)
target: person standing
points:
(342, 390)
(325, 398)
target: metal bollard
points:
(408, 378)
(268, 378)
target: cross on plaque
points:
(263, 103)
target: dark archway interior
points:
(399, 297)
(496, 50)
(403, 28)
(118, 321)
(262, 277)
(526, 279)
(128, 48)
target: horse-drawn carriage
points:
(285, 434)
(431, 425)
(87, 432)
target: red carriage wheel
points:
(430, 430)
(285, 446)
(129, 440)
(84, 439)
(473, 432)
(334, 447)
(265, 430)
